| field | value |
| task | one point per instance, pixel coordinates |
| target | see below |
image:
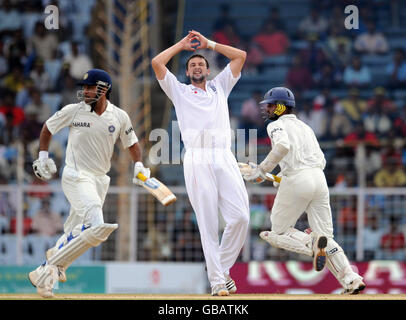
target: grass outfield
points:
(57, 296)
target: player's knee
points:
(94, 215)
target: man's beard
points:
(201, 79)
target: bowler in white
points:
(212, 178)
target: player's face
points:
(89, 93)
(270, 110)
(197, 70)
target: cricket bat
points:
(160, 191)
(269, 176)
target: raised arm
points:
(236, 56)
(159, 62)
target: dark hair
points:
(196, 56)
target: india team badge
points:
(112, 129)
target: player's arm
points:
(44, 167)
(160, 61)
(236, 56)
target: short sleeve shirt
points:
(92, 137)
(203, 115)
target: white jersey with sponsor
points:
(92, 137)
(203, 115)
(304, 149)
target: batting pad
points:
(292, 240)
(90, 237)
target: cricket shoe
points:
(220, 290)
(230, 284)
(61, 270)
(355, 287)
(49, 274)
(319, 253)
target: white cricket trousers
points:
(303, 191)
(86, 194)
(214, 184)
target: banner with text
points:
(299, 277)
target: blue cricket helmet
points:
(95, 77)
(279, 94)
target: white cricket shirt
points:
(203, 116)
(304, 149)
(92, 137)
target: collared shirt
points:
(304, 149)
(92, 137)
(203, 116)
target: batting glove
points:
(276, 184)
(44, 167)
(253, 173)
(139, 168)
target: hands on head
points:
(190, 44)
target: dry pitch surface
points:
(205, 297)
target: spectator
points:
(10, 18)
(227, 35)
(17, 50)
(251, 117)
(78, 62)
(347, 216)
(396, 70)
(337, 17)
(360, 135)
(271, 40)
(376, 120)
(8, 107)
(352, 106)
(357, 74)
(381, 101)
(69, 90)
(4, 66)
(14, 81)
(314, 117)
(338, 48)
(225, 18)
(313, 55)
(40, 78)
(43, 42)
(328, 77)
(391, 175)
(23, 96)
(255, 57)
(314, 23)
(31, 127)
(299, 76)
(371, 42)
(274, 16)
(45, 221)
(372, 237)
(393, 242)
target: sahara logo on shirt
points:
(81, 124)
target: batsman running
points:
(212, 177)
(94, 124)
(303, 188)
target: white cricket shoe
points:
(319, 253)
(355, 287)
(44, 291)
(230, 284)
(61, 270)
(219, 290)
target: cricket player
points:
(212, 177)
(303, 188)
(94, 124)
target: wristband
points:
(211, 44)
(43, 155)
